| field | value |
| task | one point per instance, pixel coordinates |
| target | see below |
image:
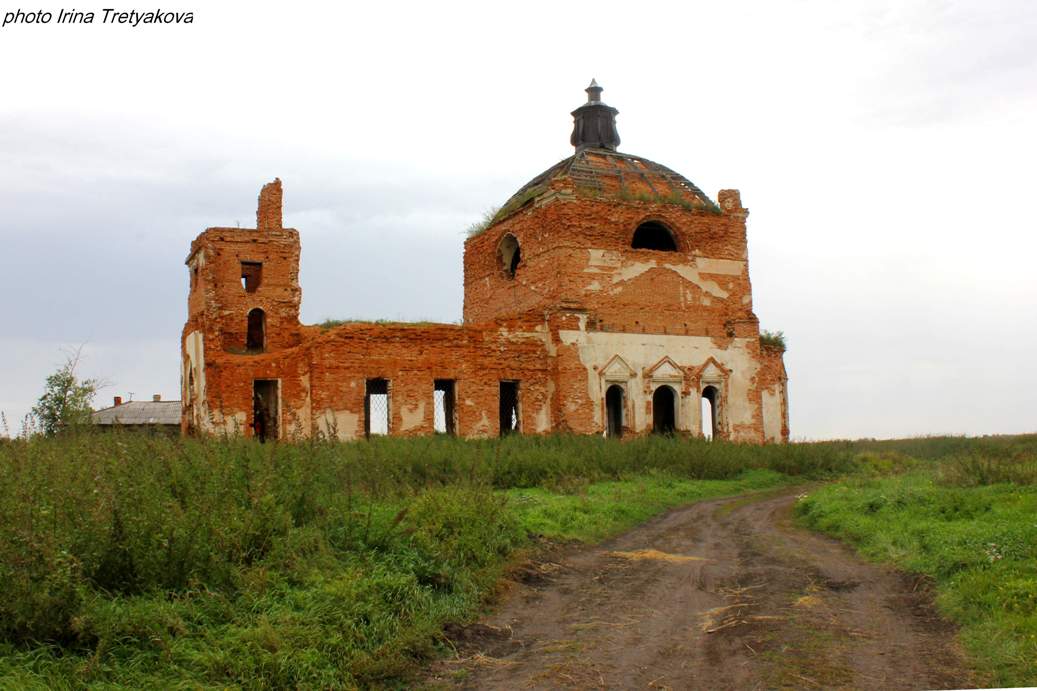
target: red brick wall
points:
(575, 250)
(323, 381)
(218, 304)
(578, 276)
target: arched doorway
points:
(614, 411)
(664, 410)
(709, 412)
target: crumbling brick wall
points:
(583, 312)
(692, 305)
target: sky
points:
(885, 150)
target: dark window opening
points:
(255, 337)
(251, 276)
(194, 276)
(653, 235)
(510, 255)
(664, 410)
(265, 409)
(376, 407)
(614, 410)
(709, 412)
(509, 407)
(443, 420)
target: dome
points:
(597, 170)
(604, 174)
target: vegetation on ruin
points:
(515, 203)
(489, 217)
(774, 339)
(332, 323)
(674, 197)
(134, 561)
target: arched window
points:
(664, 410)
(614, 410)
(255, 337)
(652, 235)
(509, 254)
(709, 412)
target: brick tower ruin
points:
(609, 295)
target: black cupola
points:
(594, 123)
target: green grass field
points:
(963, 513)
(128, 561)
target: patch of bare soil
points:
(724, 594)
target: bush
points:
(158, 562)
(773, 339)
(462, 528)
(975, 469)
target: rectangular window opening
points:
(376, 407)
(509, 407)
(251, 276)
(443, 399)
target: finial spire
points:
(594, 123)
(594, 92)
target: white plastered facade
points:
(643, 362)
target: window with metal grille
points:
(443, 420)
(509, 407)
(376, 407)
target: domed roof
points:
(600, 173)
(597, 170)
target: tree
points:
(66, 400)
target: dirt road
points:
(724, 594)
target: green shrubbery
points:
(148, 561)
(773, 339)
(154, 562)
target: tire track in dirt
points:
(725, 594)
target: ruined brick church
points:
(609, 295)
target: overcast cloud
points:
(886, 151)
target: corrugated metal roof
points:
(140, 413)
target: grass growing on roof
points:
(487, 220)
(332, 323)
(775, 339)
